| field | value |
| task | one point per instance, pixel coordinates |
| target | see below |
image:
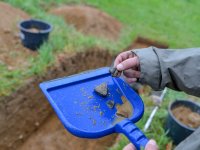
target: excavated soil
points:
(90, 21)
(53, 136)
(12, 52)
(186, 116)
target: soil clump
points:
(102, 89)
(125, 110)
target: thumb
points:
(128, 63)
(130, 146)
(151, 145)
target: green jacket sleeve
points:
(176, 69)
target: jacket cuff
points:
(149, 67)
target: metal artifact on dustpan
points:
(89, 114)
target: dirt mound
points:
(12, 53)
(90, 21)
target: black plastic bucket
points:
(177, 130)
(33, 40)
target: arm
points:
(178, 70)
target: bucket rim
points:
(175, 119)
(36, 20)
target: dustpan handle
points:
(132, 132)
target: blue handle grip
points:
(132, 132)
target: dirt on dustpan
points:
(186, 116)
(12, 53)
(90, 21)
(125, 110)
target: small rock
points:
(101, 113)
(21, 136)
(114, 72)
(37, 124)
(110, 104)
(7, 31)
(102, 89)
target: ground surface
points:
(90, 21)
(53, 136)
(12, 53)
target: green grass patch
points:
(173, 22)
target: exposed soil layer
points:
(12, 53)
(26, 109)
(186, 116)
(53, 136)
(90, 21)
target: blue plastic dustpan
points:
(86, 114)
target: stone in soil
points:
(102, 89)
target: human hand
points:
(128, 62)
(151, 145)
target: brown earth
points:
(186, 116)
(12, 53)
(53, 136)
(90, 21)
(142, 42)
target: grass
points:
(173, 22)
